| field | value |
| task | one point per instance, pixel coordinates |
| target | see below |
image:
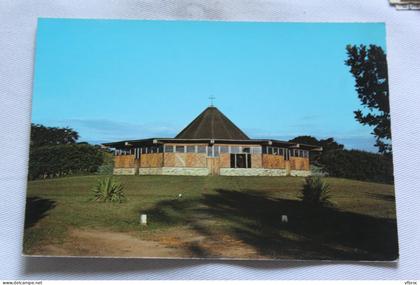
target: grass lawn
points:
(216, 217)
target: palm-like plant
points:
(315, 192)
(108, 190)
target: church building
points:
(211, 145)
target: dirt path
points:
(105, 243)
(182, 242)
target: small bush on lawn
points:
(108, 190)
(315, 192)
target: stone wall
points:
(124, 171)
(302, 173)
(252, 172)
(194, 171)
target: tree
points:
(42, 136)
(305, 140)
(326, 144)
(368, 66)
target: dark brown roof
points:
(212, 124)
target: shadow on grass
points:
(254, 218)
(384, 197)
(36, 209)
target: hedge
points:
(359, 165)
(62, 160)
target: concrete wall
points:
(252, 172)
(195, 171)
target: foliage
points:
(62, 160)
(318, 170)
(326, 144)
(107, 167)
(108, 190)
(368, 66)
(360, 165)
(315, 192)
(42, 135)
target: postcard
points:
(211, 139)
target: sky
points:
(114, 80)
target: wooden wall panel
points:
(256, 161)
(273, 161)
(151, 160)
(299, 163)
(185, 160)
(169, 160)
(124, 161)
(224, 160)
(195, 159)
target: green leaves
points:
(108, 190)
(368, 66)
(62, 160)
(315, 192)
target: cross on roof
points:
(211, 100)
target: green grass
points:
(361, 225)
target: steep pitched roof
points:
(212, 124)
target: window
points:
(224, 149)
(256, 150)
(235, 149)
(180, 148)
(216, 151)
(246, 150)
(240, 160)
(190, 148)
(169, 148)
(201, 149)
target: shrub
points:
(108, 190)
(62, 160)
(360, 165)
(315, 192)
(107, 167)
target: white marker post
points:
(284, 219)
(143, 219)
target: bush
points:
(107, 167)
(108, 190)
(62, 160)
(315, 192)
(359, 165)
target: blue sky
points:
(113, 79)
